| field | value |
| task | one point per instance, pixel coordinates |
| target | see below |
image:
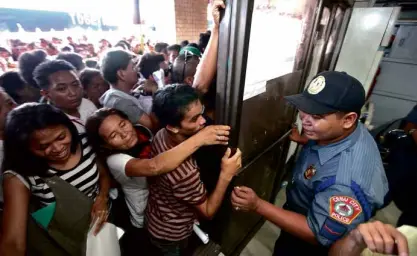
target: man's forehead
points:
(193, 109)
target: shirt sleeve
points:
(190, 189)
(132, 110)
(12, 173)
(334, 212)
(117, 165)
(412, 116)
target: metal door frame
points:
(233, 47)
(234, 34)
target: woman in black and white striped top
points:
(83, 176)
(40, 142)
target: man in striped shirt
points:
(177, 197)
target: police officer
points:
(338, 181)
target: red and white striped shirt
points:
(170, 214)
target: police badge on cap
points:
(330, 92)
(317, 85)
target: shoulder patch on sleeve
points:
(332, 230)
(344, 209)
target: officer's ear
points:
(349, 120)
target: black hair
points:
(47, 68)
(11, 82)
(112, 62)
(149, 63)
(203, 41)
(90, 63)
(184, 43)
(27, 63)
(174, 47)
(194, 45)
(171, 103)
(67, 48)
(183, 68)
(92, 128)
(74, 58)
(161, 47)
(124, 44)
(20, 125)
(87, 75)
(2, 49)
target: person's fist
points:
(231, 164)
(216, 6)
(245, 199)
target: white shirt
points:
(86, 109)
(135, 188)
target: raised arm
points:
(171, 159)
(230, 166)
(206, 70)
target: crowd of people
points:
(87, 142)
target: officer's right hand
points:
(381, 238)
(231, 164)
(245, 199)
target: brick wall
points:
(190, 19)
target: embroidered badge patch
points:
(310, 172)
(344, 209)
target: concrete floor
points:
(263, 242)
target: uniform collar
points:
(327, 152)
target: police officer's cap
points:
(330, 92)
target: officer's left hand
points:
(245, 199)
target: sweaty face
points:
(322, 127)
(118, 133)
(6, 105)
(193, 120)
(97, 87)
(52, 143)
(65, 91)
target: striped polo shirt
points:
(171, 213)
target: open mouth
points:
(307, 132)
(61, 154)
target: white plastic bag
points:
(106, 243)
